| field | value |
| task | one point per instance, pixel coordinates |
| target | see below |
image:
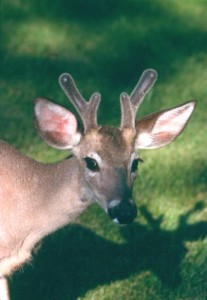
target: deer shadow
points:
(73, 261)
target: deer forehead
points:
(108, 144)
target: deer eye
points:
(91, 164)
(135, 164)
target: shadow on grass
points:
(76, 260)
(133, 35)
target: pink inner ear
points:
(173, 121)
(56, 125)
(57, 119)
(160, 129)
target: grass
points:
(106, 46)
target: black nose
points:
(122, 212)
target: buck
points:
(36, 199)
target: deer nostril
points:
(122, 212)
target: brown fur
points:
(25, 217)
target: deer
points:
(37, 199)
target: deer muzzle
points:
(122, 212)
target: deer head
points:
(106, 157)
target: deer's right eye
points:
(91, 164)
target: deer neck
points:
(66, 195)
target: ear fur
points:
(161, 128)
(55, 124)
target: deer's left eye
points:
(135, 164)
(91, 164)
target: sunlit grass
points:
(40, 37)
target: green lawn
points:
(106, 45)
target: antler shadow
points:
(76, 260)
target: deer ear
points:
(55, 124)
(161, 128)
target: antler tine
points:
(143, 86)
(127, 113)
(130, 104)
(86, 110)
